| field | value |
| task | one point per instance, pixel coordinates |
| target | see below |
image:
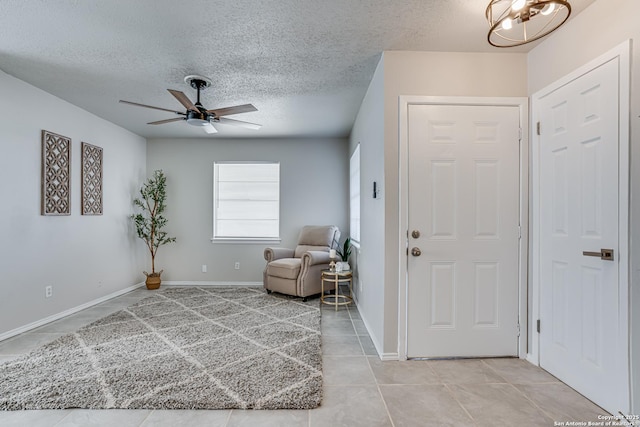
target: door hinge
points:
(538, 325)
(538, 128)
(519, 134)
(518, 329)
(519, 232)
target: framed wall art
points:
(56, 174)
(91, 179)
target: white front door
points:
(580, 329)
(463, 197)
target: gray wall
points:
(84, 258)
(314, 190)
(598, 29)
(368, 131)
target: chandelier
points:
(517, 22)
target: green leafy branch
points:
(345, 252)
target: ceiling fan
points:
(196, 114)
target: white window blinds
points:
(246, 201)
(354, 193)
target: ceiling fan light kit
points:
(196, 119)
(196, 114)
(517, 22)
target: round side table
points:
(334, 279)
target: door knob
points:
(415, 234)
(604, 254)
(416, 252)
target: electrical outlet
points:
(48, 291)
(237, 265)
(204, 268)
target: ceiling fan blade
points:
(209, 128)
(159, 122)
(150, 106)
(182, 98)
(238, 123)
(245, 108)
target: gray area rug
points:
(182, 348)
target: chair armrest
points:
(272, 254)
(315, 258)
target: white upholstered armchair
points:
(297, 271)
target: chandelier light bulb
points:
(518, 4)
(548, 9)
(507, 24)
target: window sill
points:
(246, 241)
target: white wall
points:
(599, 28)
(368, 131)
(431, 74)
(83, 257)
(314, 190)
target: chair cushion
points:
(316, 238)
(306, 248)
(286, 268)
(317, 235)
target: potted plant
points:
(150, 221)
(344, 254)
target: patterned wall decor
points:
(56, 174)
(91, 179)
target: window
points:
(246, 201)
(354, 193)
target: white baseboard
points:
(376, 344)
(205, 283)
(389, 356)
(531, 359)
(66, 313)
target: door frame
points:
(622, 54)
(403, 242)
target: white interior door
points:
(578, 210)
(463, 197)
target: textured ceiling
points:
(304, 64)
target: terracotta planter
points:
(153, 280)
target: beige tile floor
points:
(359, 389)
